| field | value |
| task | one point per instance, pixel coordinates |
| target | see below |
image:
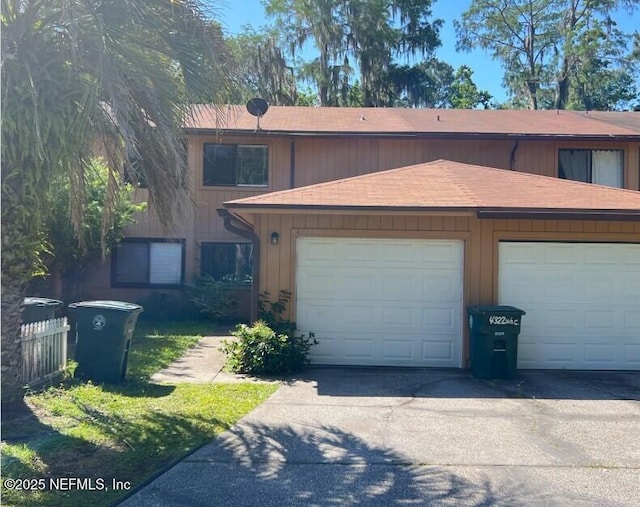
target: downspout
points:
(292, 177)
(512, 160)
(244, 229)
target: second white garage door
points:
(582, 302)
(381, 301)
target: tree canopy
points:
(555, 53)
(367, 38)
(80, 76)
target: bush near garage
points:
(260, 350)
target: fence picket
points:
(44, 349)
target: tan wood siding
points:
(481, 238)
(324, 159)
(487, 153)
(536, 157)
(319, 159)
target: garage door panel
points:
(315, 315)
(560, 287)
(599, 320)
(398, 255)
(398, 350)
(399, 285)
(443, 254)
(361, 349)
(632, 355)
(600, 254)
(630, 255)
(352, 315)
(558, 255)
(599, 353)
(440, 285)
(632, 287)
(316, 283)
(317, 251)
(441, 318)
(519, 253)
(551, 319)
(404, 308)
(351, 284)
(582, 315)
(398, 316)
(562, 353)
(438, 351)
(600, 286)
(631, 321)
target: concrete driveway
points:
(422, 437)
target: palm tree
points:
(84, 75)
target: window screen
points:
(144, 262)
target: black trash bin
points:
(103, 338)
(39, 309)
(494, 340)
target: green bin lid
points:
(122, 306)
(495, 309)
(32, 301)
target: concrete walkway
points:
(201, 365)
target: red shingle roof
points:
(398, 121)
(446, 185)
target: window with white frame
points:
(227, 262)
(235, 165)
(602, 167)
(148, 263)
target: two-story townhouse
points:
(382, 265)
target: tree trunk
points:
(11, 355)
(20, 246)
(532, 86)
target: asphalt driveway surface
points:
(422, 437)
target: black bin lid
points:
(33, 301)
(482, 310)
(122, 306)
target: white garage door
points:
(381, 301)
(582, 302)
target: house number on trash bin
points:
(99, 321)
(502, 320)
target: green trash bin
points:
(103, 338)
(39, 309)
(494, 340)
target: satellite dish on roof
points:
(257, 107)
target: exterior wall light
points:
(275, 238)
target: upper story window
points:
(235, 165)
(603, 167)
(148, 263)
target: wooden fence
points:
(44, 349)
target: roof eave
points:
(349, 209)
(482, 213)
(422, 134)
(559, 214)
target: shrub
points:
(261, 350)
(271, 312)
(164, 307)
(213, 299)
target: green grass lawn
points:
(126, 431)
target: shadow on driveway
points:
(382, 436)
(255, 464)
(431, 383)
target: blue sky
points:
(487, 73)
